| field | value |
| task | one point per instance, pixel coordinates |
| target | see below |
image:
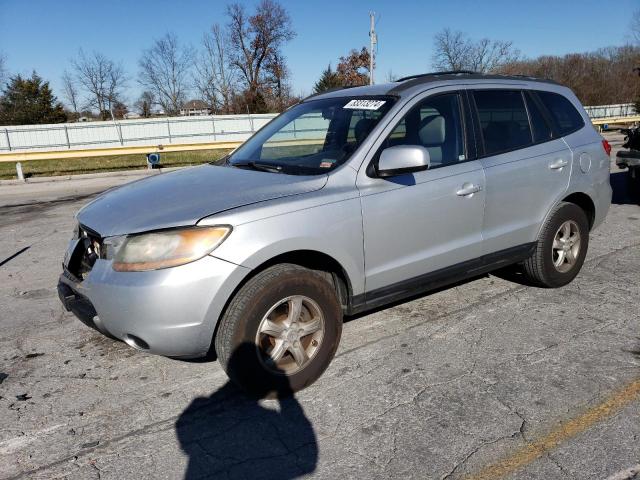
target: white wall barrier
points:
(598, 112)
(182, 130)
(151, 131)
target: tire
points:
(243, 347)
(540, 269)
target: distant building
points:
(131, 115)
(194, 107)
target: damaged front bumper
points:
(171, 312)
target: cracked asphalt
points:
(489, 378)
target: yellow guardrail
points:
(99, 152)
(139, 149)
(616, 120)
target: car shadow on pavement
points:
(231, 434)
(624, 193)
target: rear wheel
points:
(561, 248)
(280, 331)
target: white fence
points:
(181, 130)
(152, 131)
(599, 112)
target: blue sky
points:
(43, 35)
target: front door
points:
(420, 223)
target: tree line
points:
(239, 67)
(607, 76)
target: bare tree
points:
(145, 104)
(119, 110)
(214, 78)
(101, 79)
(455, 51)
(590, 75)
(165, 69)
(70, 92)
(277, 82)
(451, 50)
(253, 40)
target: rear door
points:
(527, 169)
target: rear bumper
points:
(602, 196)
(171, 312)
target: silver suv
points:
(349, 200)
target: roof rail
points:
(335, 89)
(431, 74)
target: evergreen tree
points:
(28, 101)
(328, 80)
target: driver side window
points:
(434, 123)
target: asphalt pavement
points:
(489, 378)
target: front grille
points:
(87, 251)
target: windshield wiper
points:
(263, 167)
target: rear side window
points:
(539, 126)
(563, 113)
(503, 120)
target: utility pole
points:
(373, 42)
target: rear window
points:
(503, 120)
(563, 113)
(541, 130)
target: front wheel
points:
(280, 331)
(561, 248)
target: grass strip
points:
(110, 163)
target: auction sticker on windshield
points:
(365, 104)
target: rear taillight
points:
(607, 147)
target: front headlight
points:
(151, 251)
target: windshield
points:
(313, 137)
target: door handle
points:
(468, 189)
(558, 164)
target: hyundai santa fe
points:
(347, 201)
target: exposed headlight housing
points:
(170, 248)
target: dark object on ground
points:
(631, 158)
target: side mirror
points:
(403, 159)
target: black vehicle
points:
(630, 158)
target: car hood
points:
(185, 196)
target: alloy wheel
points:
(290, 334)
(566, 246)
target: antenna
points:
(373, 42)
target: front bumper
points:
(171, 312)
